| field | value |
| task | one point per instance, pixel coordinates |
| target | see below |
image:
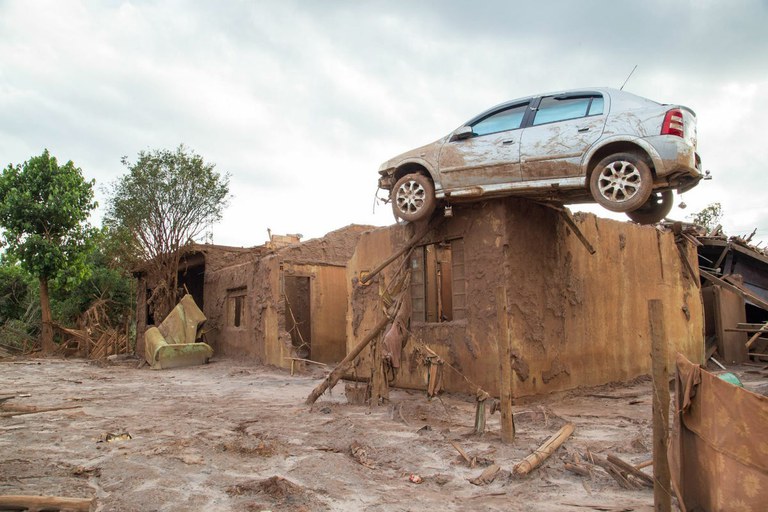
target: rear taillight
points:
(673, 123)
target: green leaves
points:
(166, 199)
(44, 210)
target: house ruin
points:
(268, 303)
(574, 318)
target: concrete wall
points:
(576, 319)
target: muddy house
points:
(268, 303)
(515, 268)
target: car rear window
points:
(508, 119)
(553, 108)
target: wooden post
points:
(662, 494)
(504, 347)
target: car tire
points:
(621, 183)
(655, 208)
(413, 197)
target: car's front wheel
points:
(655, 208)
(621, 183)
(413, 197)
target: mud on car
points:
(622, 151)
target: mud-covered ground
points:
(231, 436)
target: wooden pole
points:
(662, 494)
(504, 347)
(541, 454)
(14, 502)
(335, 375)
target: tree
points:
(165, 201)
(44, 210)
(709, 217)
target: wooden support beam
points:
(566, 216)
(662, 490)
(504, 348)
(753, 339)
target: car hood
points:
(425, 155)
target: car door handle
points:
(582, 130)
(508, 141)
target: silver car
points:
(622, 151)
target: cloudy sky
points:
(300, 101)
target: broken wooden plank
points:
(754, 338)
(337, 372)
(630, 469)
(578, 469)
(462, 453)
(736, 288)
(488, 475)
(14, 502)
(541, 454)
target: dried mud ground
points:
(231, 436)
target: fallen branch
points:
(36, 411)
(13, 502)
(337, 372)
(541, 454)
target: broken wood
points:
(360, 454)
(337, 372)
(541, 454)
(754, 338)
(631, 470)
(571, 224)
(488, 475)
(577, 469)
(662, 490)
(615, 472)
(462, 453)
(14, 502)
(644, 464)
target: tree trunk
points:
(46, 331)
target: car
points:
(603, 145)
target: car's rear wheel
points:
(655, 208)
(621, 183)
(413, 197)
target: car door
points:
(486, 151)
(563, 127)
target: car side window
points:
(508, 119)
(554, 108)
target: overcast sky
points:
(301, 101)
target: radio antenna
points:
(627, 80)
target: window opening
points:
(438, 283)
(236, 307)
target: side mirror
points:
(462, 133)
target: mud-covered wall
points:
(575, 319)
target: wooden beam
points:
(757, 301)
(504, 348)
(421, 231)
(662, 490)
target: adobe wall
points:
(576, 319)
